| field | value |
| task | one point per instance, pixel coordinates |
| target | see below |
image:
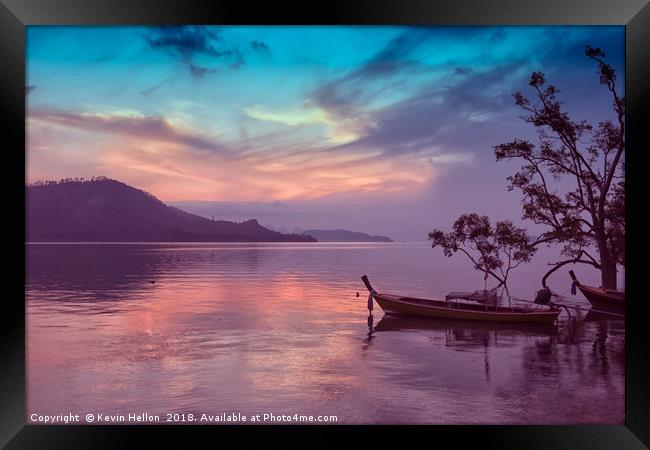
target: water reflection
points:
(259, 327)
(368, 340)
(467, 335)
(90, 272)
(461, 330)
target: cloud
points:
(150, 91)
(338, 131)
(199, 71)
(428, 124)
(159, 156)
(289, 117)
(431, 124)
(439, 115)
(186, 42)
(260, 46)
(347, 99)
(238, 60)
(445, 118)
(344, 123)
(395, 56)
(152, 128)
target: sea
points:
(278, 333)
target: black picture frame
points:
(15, 15)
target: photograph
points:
(382, 219)
(325, 224)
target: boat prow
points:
(442, 309)
(601, 299)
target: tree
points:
(591, 214)
(493, 250)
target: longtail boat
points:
(600, 299)
(441, 309)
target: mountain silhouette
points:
(345, 236)
(105, 210)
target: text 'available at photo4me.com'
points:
(179, 418)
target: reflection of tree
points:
(465, 335)
(607, 352)
(599, 346)
(564, 375)
(573, 374)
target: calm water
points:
(277, 328)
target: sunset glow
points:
(255, 114)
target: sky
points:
(387, 130)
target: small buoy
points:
(152, 282)
(357, 294)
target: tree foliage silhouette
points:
(494, 251)
(588, 215)
(591, 214)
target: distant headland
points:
(339, 235)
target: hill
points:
(345, 236)
(106, 210)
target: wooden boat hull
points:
(599, 298)
(392, 304)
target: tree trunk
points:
(608, 275)
(607, 263)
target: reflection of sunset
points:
(310, 364)
(183, 317)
